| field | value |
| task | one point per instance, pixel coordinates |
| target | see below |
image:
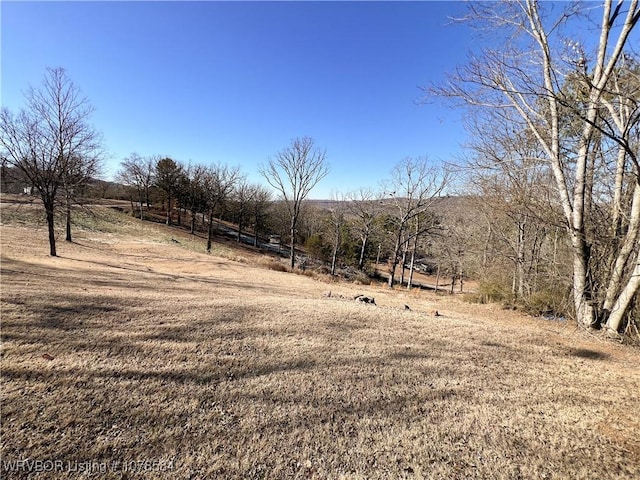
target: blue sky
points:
(234, 82)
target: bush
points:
(276, 266)
(489, 291)
(362, 279)
(317, 248)
(554, 303)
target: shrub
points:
(548, 302)
(489, 291)
(362, 278)
(317, 248)
(276, 266)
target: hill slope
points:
(126, 349)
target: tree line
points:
(206, 195)
(556, 123)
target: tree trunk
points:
(210, 231)
(583, 303)
(365, 238)
(394, 259)
(619, 309)
(626, 251)
(68, 220)
(402, 267)
(618, 299)
(520, 260)
(485, 253)
(334, 258)
(49, 207)
(411, 265)
(413, 256)
(140, 203)
(293, 242)
(534, 264)
(616, 217)
(255, 233)
(336, 246)
(169, 209)
(240, 219)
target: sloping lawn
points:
(134, 358)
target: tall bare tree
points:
(243, 196)
(622, 103)
(138, 174)
(530, 74)
(516, 196)
(337, 223)
(365, 206)
(294, 172)
(414, 186)
(260, 204)
(218, 183)
(195, 194)
(51, 141)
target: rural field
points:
(135, 355)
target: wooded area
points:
(565, 113)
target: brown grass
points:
(126, 349)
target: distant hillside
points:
(14, 181)
(441, 204)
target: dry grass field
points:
(132, 355)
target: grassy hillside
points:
(134, 347)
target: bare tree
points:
(424, 225)
(531, 74)
(413, 187)
(260, 204)
(622, 103)
(516, 196)
(195, 194)
(294, 172)
(243, 196)
(337, 223)
(51, 141)
(137, 174)
(365, 206)
(218, 183)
